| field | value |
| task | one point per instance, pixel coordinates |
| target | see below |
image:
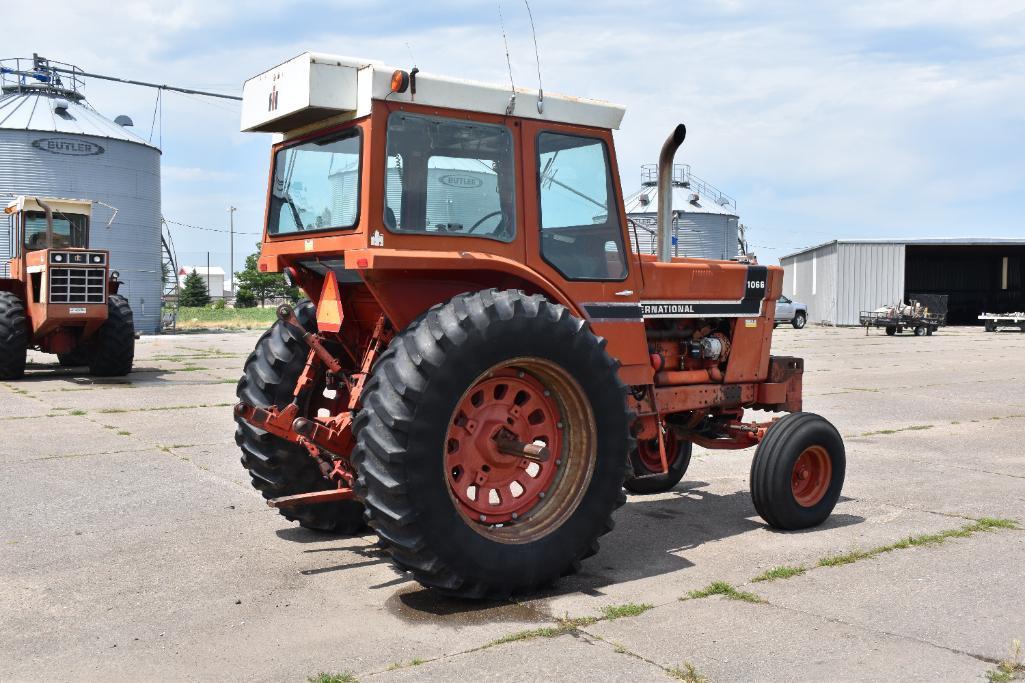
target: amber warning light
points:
(401, 81)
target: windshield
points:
(449, 177)
(316, 185)
(70, 230)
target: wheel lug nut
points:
(483, 518)
(558, 425)
(520, 374)
(541, 495)
(558, 462)
(515, 516)
(547, 393)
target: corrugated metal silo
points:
(705, 222)
(53, 143)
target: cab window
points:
(449, 177)
(316, 185)
(69, 230)
(581, 235)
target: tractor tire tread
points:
(278, 467)
(391, 399)
(112, 348)
(14, 336)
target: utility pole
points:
(231, 248)
(208, 293)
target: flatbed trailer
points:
(994, 321)
(922, 325)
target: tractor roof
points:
(313, 87)
(29, 203)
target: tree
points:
(260, 285)
(244, 299)
(194, 291)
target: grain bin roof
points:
(39, 110)
(926, 241)
(645, 200)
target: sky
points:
(825, 120)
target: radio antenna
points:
(537, 56)
(508, 61)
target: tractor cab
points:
(62, 286)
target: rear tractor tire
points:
(798, 472)
(647, 465)
(113, 346)
(450, 505)
(278, 467)
(13, 336)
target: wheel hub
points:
(647, 451)
(811, 476)
(492, 486)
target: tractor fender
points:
(408, 282)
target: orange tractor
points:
(61, 296)
(484, 363)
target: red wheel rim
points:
(647, 452)
(508, 497)
(811, 476)
(492, 486)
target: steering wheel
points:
(478, 223)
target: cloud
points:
(833, 119)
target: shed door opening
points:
(976, 278)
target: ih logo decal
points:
(377, 239)
(272, 98)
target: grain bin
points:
(704, 218)
(54, 144)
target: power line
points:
(200, 227)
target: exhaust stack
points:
(665, 192)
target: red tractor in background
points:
(61, 296)
(483, 362)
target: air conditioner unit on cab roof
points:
(301, 91)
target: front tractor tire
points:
(798, 472)
(13, 336)
(646, 461)
(112, 348)
(450, 505)
(278, 467)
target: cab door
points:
(576, 236)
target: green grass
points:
(724, 589)
(225, 319)
(333, 678)
(562, 626)
(781, 572)
(979, 525)
(415, 661)
(77, 412)
(611, 612)
(686, 673)
(1010, 668)
(912, 428)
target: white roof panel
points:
(36, 111)
(314, 86)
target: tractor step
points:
(312, 498)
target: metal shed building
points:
(839, 279)
(54, 144)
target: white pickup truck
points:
(790, 311)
